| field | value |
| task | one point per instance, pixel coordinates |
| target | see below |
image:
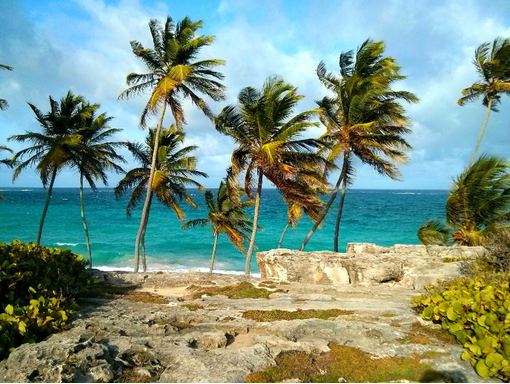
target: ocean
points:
(383, 217)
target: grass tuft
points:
(421, 334)
(192, 307)
(127, 292)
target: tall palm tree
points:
(7, 162)
(493, 66)
(96, 155)
(55, 147)
(174, 169)
(364, 118)
(172, 76)
(3, 102)
(264, 127)
(225, 216)
(478, 206)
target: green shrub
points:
(37, 290)
(476, 310)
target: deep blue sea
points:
(384, 217)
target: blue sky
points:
(83, 45)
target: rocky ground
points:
(159, 327)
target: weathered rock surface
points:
(410, 266)
(117, 340)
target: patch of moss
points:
(343, 363)
(300, 300)
(284, 283)
(420, 334)
(277, 314)
(130, 375)
(242, 290)
(395, 324)
(388, 315)
(432, 355)
(177, 324)
(192, 307)
(227, 319)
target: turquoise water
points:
(384, 217)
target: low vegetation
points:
(475, 309)
(300, 314)
(242, 290)
(128, 292)
(38, 286)
(345, 364)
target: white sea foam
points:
(178, 269)
(68, 244)
(26, 190)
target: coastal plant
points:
(364, 118)
(225, 216)
(95, 156)
(267, 133)
(174, 169)
(476, 310)
(54, 148)
(492, 62)
(3, 103)
(173, 76)
(476, 209)
(38, 286)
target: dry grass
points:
(347, 364)
(192, 307)
(277, 314)
(421, 334)
(128, 292)
(242, 290)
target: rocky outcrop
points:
(117, 340)
(411, 266)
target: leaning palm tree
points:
(225, 216)
(174, 169)
(3, 102)
(95, 156)
(266, 130)
(478, 206)
(55, 147)
(7, 162)
(172, 76)
(364, 118)
(493, 66)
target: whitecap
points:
(68, 244)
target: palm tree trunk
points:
(84, 221)
(142, 238)
(146, 206)
(339, 215)
(328, 205)
(255, 220)
(283, 234)
(46, 204)
(481, 133)
(214, 251)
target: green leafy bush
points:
(476, 310)
(37, 290)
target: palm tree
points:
(95, 156)
(174, 169)
(7, 162)
(55, 147)
(225, 216)
(266, 130)
(363, 118)
(478, 206)
(493, 67)
(3, 102)
(172, 76)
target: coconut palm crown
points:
(3, 102)
(267, 133)
(477, 207)
(492, 62)
(225, 216)
(364, 118)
